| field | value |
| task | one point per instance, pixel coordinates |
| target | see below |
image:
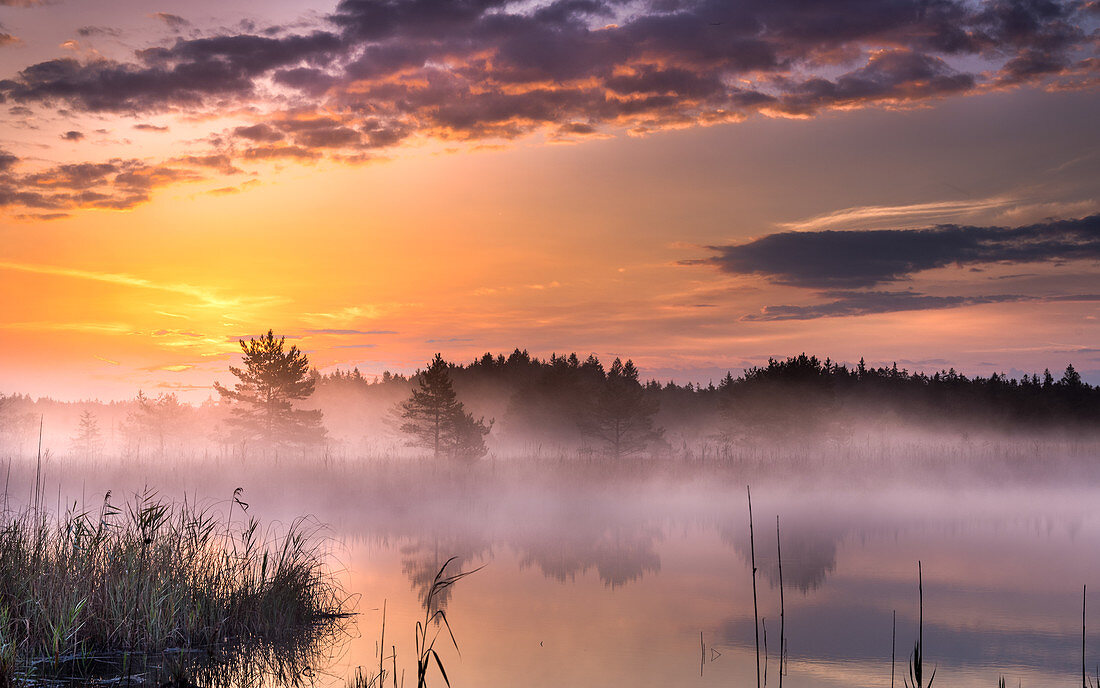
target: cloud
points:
(9, 39)
(204, 296)
(879, 213)
(852, 259)
(181, 333)
(182, 76)
(149, 127)
(259, 133)
(230, 190)
(7, 160)
(174, 21)
(182, 386)
(855, 303)
(344, 332)
(373, 74)
(117, 184)
(475, 64)
(73, 136)
(88, 31)
(851, 303)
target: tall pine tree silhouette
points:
(435, 418)
(262, 402)
(622, 416)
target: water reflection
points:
(620, 554)
(247, 664)
(1002, 577)
(606, 581)
(422, 559)
(809, 551)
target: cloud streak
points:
(856, 303)
(880, 213)
(205, 296)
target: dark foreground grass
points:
(154, 575)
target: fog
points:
(606, 567)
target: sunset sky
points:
(696, 185)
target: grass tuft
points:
(150, 576)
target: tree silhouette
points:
(261, 403)
(160, 418)
(785, 401)
(87, 438)
(437, 420)
(622, 415)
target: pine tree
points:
(262, 403)
(160, 418)
(437, 420)
(86, 441)
(622, 416)
(1071, 379)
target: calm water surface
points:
(621, 587)
(596, 581)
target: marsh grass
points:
(153, 575)
(427, 632)
(916, 659)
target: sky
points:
(697, 185)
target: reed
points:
(153, 575)
(427, 632)
(436, 619)
(916, 660)
(782, 607)
(755, 609)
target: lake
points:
(592, 577)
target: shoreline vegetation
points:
(111, 587)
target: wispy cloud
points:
(349, 332)
(857, 303)
(917, 212)
(44, 326)
(347, 314)
(204, 296)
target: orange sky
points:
(485, 240)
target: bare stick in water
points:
(755, 610)
(893, 644)
(782, 632)
(764, 627)
(1084, 676)
(38, 469)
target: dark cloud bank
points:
(383, 70)
(840, 265)
(853, 259)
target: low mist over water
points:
(600, 533)
(601, 574)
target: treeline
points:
(520, 404)
(578, 404)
